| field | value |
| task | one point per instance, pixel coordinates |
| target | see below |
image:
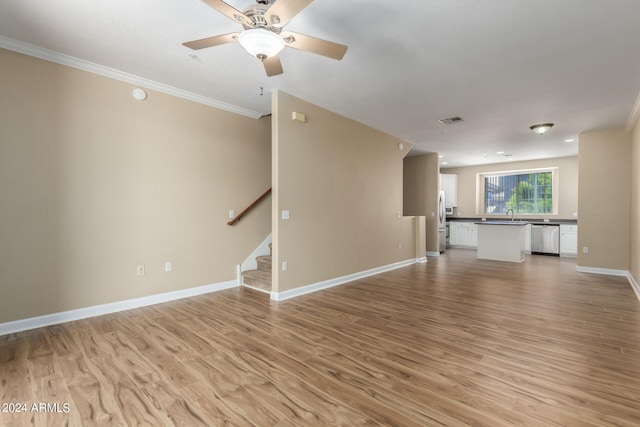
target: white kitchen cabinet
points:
(474, 235)
(449, 184)
(463, 234)
(527, 239)
(568, 240)
(454, 233)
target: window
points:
(526, 192)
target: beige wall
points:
(634, 226)
(420, 197)
(604, 193)
(94, 183)
(342, 183)
(567, 177)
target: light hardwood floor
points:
(457, 341)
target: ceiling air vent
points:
(451, 120)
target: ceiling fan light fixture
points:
(261, 43)
(542, 128)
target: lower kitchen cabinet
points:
(568, 240)
(463, 234)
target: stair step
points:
(258, 279)
(261, 278)
(264, 263)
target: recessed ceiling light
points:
(569, 140)
(542, 128)
(499, 152)
(445, 163)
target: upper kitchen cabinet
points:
(449, 184)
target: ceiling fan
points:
(263, 37)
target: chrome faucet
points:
(513, 215)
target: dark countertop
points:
(508, 223)
(535, 221)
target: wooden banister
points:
(248, 208)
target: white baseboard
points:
(99, 310)
(598, 270)
(432, 254)
(634, 285)
(303, 290)
(256, 289)
(613, 272)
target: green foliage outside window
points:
(527, 193)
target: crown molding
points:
(80, 64)
(634, 116)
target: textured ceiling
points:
(502, 65)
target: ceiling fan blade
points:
(212, 41)
(283, 11)
(314, 45)
(273, 66)
(229, 11)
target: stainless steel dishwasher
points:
(545, 239)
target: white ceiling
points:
(502, 65)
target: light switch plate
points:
(286, 214)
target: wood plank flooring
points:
(456, 341)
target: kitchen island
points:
(501, 240)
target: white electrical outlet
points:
(286, 214)
(285, 265)
(585, 249)
(140, 270)
(168, 267)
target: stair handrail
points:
(248, 208)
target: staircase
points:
(259, 279)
